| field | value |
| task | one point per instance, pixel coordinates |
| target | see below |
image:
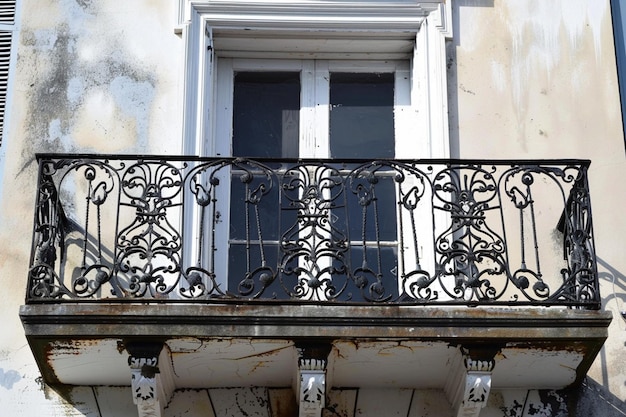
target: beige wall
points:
(528, 79)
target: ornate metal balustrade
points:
(418, 232)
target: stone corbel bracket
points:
(311, 380)
(312, 387)
(468, 388)
(152, 382)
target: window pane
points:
(266, 108)
(361, 115)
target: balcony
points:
(313, 266)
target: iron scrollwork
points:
(420, 232)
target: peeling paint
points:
(8, 378)
(514, 410)
(236, 402)
(551, 404)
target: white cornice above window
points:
(259, 43)
(329, 29)
(348, 15)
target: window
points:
(310, 108)
(277, 108)
(341, 110)
(361, 115)
(266, 114)
(271, 79)
(385, 30)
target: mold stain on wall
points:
(94, 97)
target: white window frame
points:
(347, 22)
(314, 101)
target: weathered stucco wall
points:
(91, 76)
(528, 79)
(537, 79)
(534, 79)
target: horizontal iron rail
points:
(435, 161)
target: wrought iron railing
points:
(418, 232)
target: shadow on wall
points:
(595, 400)
(618, 282)
(592, 398)
(618, 294)
(618, 14)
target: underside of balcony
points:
(261, 345)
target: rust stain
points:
(49, 380)
(282, 402)
(47, 372)
(261, 364)
(74, 344)
(550, 346)
(338, 353)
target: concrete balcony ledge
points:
(311, 321)
(233, 345)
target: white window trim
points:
(427, 20)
